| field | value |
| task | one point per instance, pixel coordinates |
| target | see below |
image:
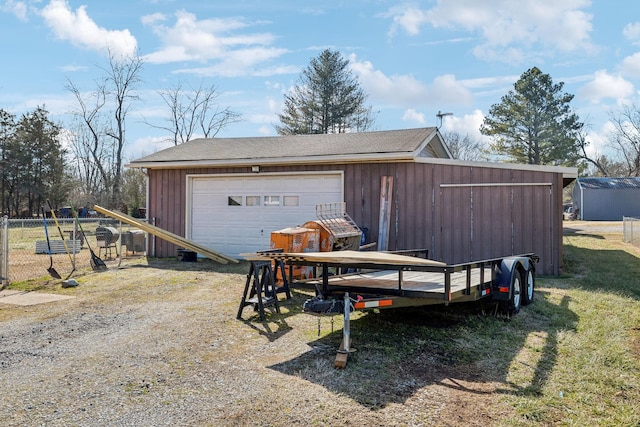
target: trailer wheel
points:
(512, 306)
(529, 286)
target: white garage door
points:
(236, 214)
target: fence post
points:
(4, 252)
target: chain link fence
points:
(631, 230)
(25, 253)
(4, 249)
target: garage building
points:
(607, 199)
(231, 193)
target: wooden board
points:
(417, 281)
(386, 194)
(347, 257)
(168, 236)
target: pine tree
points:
(534, 123)
(328, 99)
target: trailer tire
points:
(528, 287)
(511, 307)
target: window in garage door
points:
(234, 200)
(291, 200)
(268, 200)
(253, 200)
(272, 200)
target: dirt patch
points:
(158, 343)
(592, 227)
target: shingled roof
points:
(389, 145)
(606, 183)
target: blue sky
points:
(413, 59)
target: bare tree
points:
(103, 115)
(87, 165)
(597, 164)
(90, 148)
(133, 189)
(194, 110)
(625, 139)
(464, 147)
(123, 75)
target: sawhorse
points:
(260, 289)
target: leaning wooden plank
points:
(168, 236)
(346, 257)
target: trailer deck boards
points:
(392, 274)
(415, 281)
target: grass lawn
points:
(586, 351)
(571, 358)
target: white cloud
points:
(265, 130)
(219, 44)
(410, 19)
(632, 32)
(406, 90)
(490, 82)
(72, 68)
(599, 142)
(209, 39)
(468, 124)
(631, 65)
(17, 8)
(145, 146)
(412, 115)
(153, 19)
(242, 63)
(78, 28)
(506, 26)
(605, 85)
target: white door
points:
(236, 214)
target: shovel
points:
(52, 271)
(96, 263)
(64, 242)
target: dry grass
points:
(157, 343)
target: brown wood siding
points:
(456, 223)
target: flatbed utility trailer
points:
(382, 280)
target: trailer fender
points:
(504, 277)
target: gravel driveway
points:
(140, 346)
(159, 345)
(588, 227)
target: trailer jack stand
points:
(345, 346)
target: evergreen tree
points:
(7, 135)
(34, 167)
(534, 123)
(328, 99)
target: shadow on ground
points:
(464, 347)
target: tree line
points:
(533, 124)
(82, 162)
(31, 162)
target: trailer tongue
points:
(381, 280)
